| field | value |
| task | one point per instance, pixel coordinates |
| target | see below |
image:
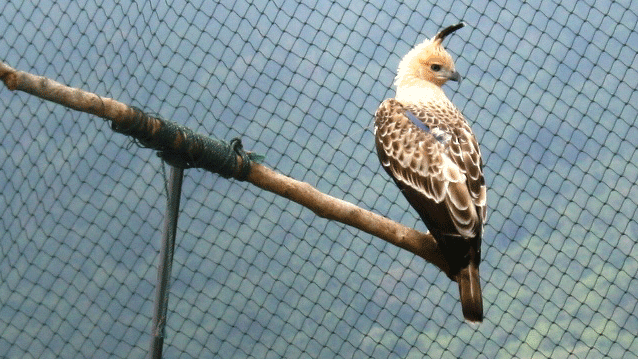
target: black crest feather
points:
(448, 30)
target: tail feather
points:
(470, 293)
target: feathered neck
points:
(415, 91)
(410, 84)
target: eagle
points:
(426, 146)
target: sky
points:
(548, 88)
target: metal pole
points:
(166, 261)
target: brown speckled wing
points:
(436, 163)
(433, 157)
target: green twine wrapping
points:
(195, 151)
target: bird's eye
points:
(436, 67)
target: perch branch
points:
(123, 116)
(326, 206)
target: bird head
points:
(429, 62)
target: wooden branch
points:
(70, 97)
(325, 206)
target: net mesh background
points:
(549, 89)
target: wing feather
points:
(436, 164)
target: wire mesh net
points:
(549, 89)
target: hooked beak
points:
(454, 76)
